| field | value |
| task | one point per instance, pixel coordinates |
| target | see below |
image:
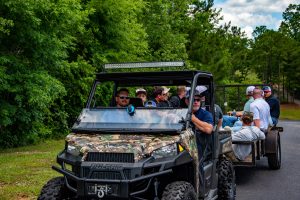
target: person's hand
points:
(239, 113)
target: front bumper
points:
(116, 180)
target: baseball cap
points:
(198, 91)
(201, 88)
(249, 90)
(267, 88)
(165, 89)
(140, 90)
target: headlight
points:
(73, 150)
(166, 151)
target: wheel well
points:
(184, 172)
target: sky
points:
(249, 14)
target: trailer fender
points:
(271, 141)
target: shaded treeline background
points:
(51, 49)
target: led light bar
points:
(143, 65)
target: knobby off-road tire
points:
(226, 182)
(274, 159)
(55, 190)
(179, 190)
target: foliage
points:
(38, 38)
(291, 21)
(115, 31)
(165, 23)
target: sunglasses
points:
(197, 100)
(124, 97)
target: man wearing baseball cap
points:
(201, 118)
(142, 94)
(203, 122)
(160, 98)
(249, 94)
(273, 103)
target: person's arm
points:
(201, 125)
(260, 134)
(256, 119)
(257, 123)
(219, 125)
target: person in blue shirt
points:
(273, 103)
(203, 121)
(201, 118)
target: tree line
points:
(51, 49)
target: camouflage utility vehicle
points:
(141, 152)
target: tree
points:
(36, 38)
(115, 33)
(165, 23)
(291, 21)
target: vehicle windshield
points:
(111, 119)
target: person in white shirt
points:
(261, 110)
(246, 133)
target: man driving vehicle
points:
(201, 118)
(122, 98)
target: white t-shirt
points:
(261, 111)
(246, 133)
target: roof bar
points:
(143, 65)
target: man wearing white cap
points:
(142, 94)
(166, 92)
(249, 93)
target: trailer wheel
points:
(226, 183)
(55, 190)
(274, 159)
(179, 190)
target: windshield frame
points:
(191, 78)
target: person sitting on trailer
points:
(246, 133)
(261, 111)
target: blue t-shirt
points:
(204, 141)
(204, 116)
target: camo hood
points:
(140, 145)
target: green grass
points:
(25, 170)
(290, 112)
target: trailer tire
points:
(274, 159)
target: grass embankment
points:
(290, 112)
(24, 170)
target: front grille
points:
(112, 175)
(110, 157)
(106, 175)
(85, 172)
